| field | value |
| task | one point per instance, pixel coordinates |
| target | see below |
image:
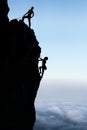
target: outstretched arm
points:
(40, 59)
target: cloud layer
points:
(61, 117)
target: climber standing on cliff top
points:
(29, 15)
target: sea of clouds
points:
(61, 106)
(66, 116)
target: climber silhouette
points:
(43, 67)
(29, 14)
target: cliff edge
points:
(20, 78)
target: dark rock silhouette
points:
(20, 78)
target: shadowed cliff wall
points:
(20, 78)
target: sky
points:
(61, 28)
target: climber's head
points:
(46, 58)
(32, 7)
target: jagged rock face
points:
(19, 50)
(4, 9)
(25, 50)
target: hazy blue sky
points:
(61, 29)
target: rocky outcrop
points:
(20, 78)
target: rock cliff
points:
(20, 78)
